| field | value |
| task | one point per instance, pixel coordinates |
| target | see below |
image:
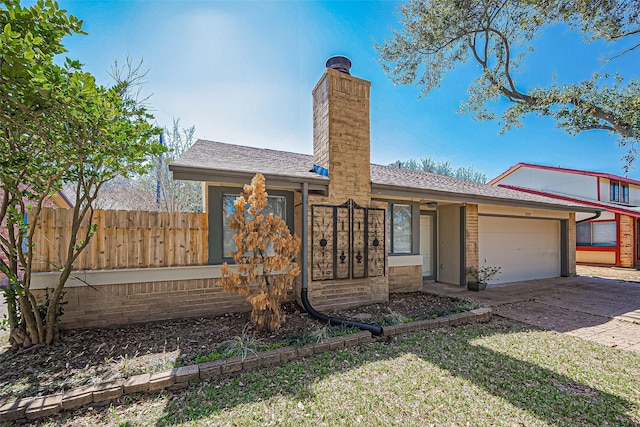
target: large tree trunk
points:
(53, 310)
(31, 330)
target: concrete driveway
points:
(605, 310)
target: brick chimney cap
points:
(339, 63)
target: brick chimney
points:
(341, 131)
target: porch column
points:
(471, 236)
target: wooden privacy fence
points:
(123, 239)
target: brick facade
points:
(341, 135)
(405, 279)
(121, 304)
(471, 236)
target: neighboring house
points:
(116, 194)
(372, 229)
(611, 238)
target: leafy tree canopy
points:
(437, 36)
(57, 125)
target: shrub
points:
(264, 250)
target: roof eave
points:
(605, 175)
(394, 191)
(597, 205)
(192, 173)
(505, 174)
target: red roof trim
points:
(622, 211)
(559, 169)
(596, 248)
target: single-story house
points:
(609, 238)
(366, 230)
(369, 230)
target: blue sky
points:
(242, 72)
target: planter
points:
(478, 277)
(474, 286)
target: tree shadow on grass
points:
(455, 353)
(547, 395)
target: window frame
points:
(614, 191)
(624, 193)
(232, 198)
(215, 212)
(591, 244)
(414, 230)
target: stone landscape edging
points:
(102, 394)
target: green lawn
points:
(500, 373)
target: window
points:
(625, 193)
(614, 191)
(220, 206)
(619, 192)
(275, 204)
(400, 229)
(602, 233)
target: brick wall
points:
(111, 305)
(405, 279)
(334, 294)
(625, 242)
(342, 135)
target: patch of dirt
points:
(94, 355)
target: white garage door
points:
(524, 248)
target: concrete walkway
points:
(603, 310)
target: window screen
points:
(275, 204)
(601, 233)
(400, 232)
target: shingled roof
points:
(221, 162)
(390, 180)
(220, 159)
